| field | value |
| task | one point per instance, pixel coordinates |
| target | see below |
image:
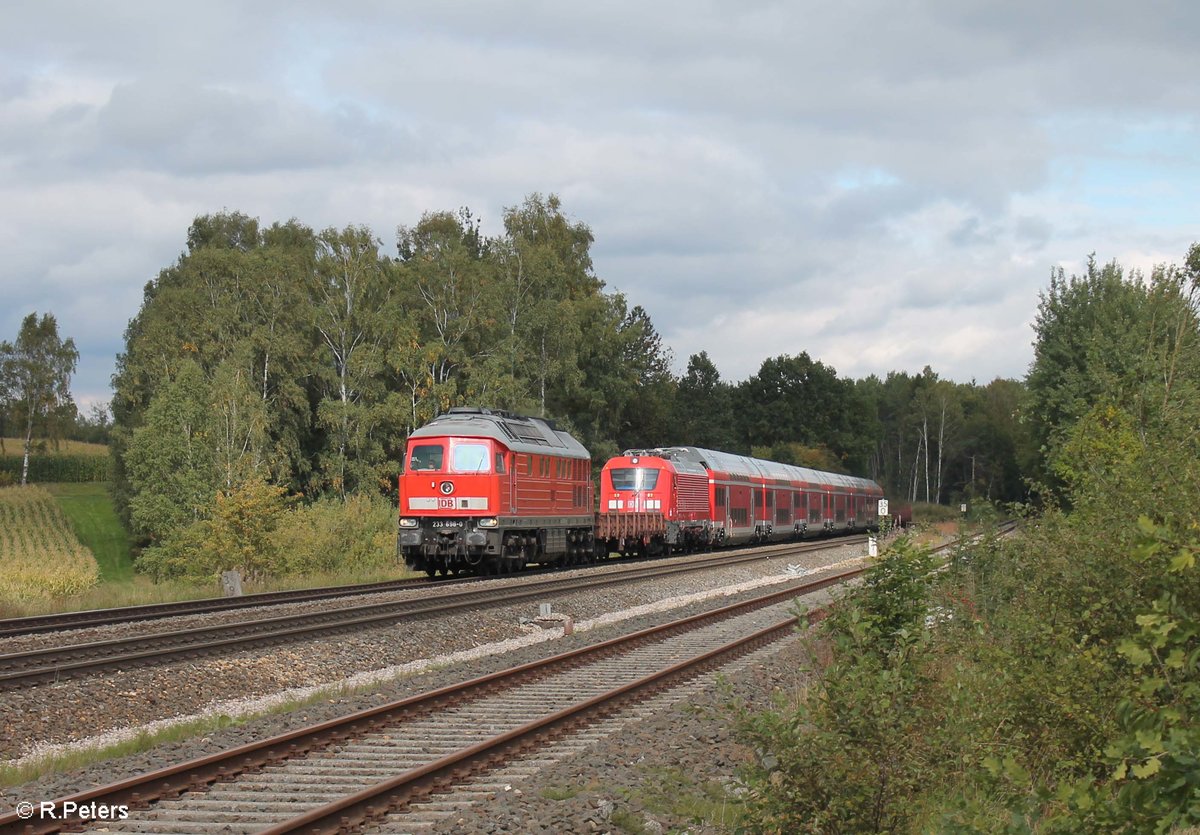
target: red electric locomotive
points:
(656, 500)
(490, 491)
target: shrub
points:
(235, 535)
(927, 512)
(252, 530)
(330, 535)
(853, 749)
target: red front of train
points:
(491, 491)
(652, 503)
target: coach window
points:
(470, 458)
(425, 457)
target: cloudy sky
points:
(885, 185)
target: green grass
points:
(561, 792)
(14, 775)
(90, 510)
(94, 521)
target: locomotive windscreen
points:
(634, 478)
(425, 457)
(470, 458)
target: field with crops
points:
(40, 556)
(54, 461)
(16, 446)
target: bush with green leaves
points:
(358, 534)
(235, 534)
(843, 756)
(253, 530)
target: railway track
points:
(88, 618)
(38, 624)
(381, 765)
(50, 664)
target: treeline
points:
(303, 359)
(1045, 683)
(924, 438)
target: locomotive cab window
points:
(500, 463)
(633, 478)
(470, 458)
(426, 457)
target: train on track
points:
(489, 491)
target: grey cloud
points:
(971, 232)
(197, 130)
(706, 144)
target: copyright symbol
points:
(25, 810)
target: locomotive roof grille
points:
(520, 433)
(527, 433)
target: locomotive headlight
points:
(408, 523)
(489, 523)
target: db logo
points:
(447, 488)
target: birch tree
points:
(36, 374)
(350, 307)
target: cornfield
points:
(45, 467)
(39, 554)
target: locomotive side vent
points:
(529, 434)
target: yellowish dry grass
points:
(16, 446)
(40, 556)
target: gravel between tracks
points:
(658, 773)
(74, 710)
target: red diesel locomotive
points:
(489, 491)
(657, 500)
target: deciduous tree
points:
(35, 378)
